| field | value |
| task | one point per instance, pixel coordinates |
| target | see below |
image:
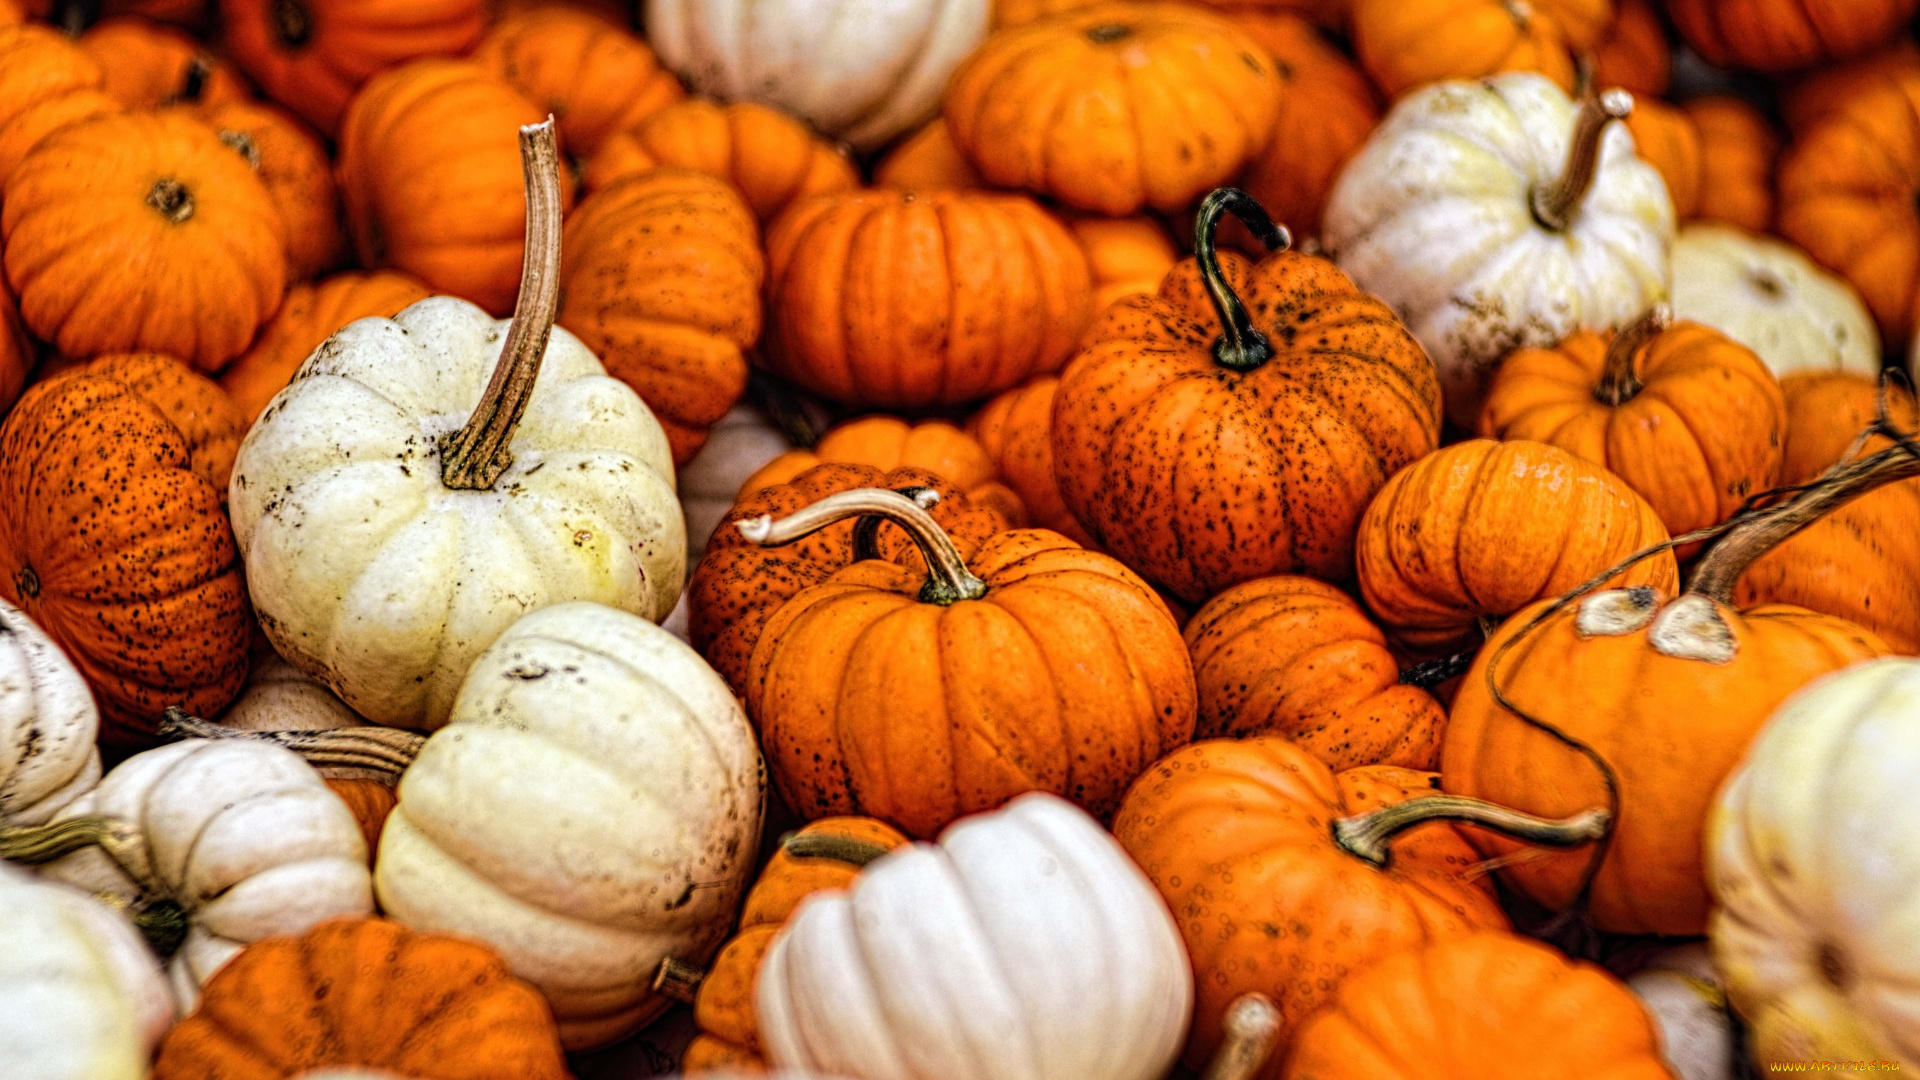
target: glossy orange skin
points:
(1237, 837)
(1701, 435)
(371, 993)
(1810, 97)
(1067, 676)
(1128, 256)
(1492, 1005)
(1634, 54)
(660, 276)
(17, 351)
(99, 268)
(1275, 479)
(595, 78)
(370, 802)
(309, 316)
(771, 158)
(1153, 105)
(1665, 137)
(1783, 35)
(927, 160)
(1406, 44)
(889, 442)
(1483, 528)
(347, 42)
(1738, 152)
(1016, 431)
(897, 300)
(46, 82)
(292, 162)
(146, 64)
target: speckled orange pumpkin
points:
(310, 315)
(205, 416)
(1016, 431)
(594, 77)
(888, 443)
(148, 64)
(773, 159)
(292, 162)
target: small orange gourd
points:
(1016, 431)
(927, 160)
(1634, 54)
(1406, 44)
(1785, 37)
(46, 83)
(310, 314)
(1738, 153)
(1665, 137)
(149, 64)
(771, 158)
(292, 162)
(889, 442)
(595, 77)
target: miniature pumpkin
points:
(1729, 33)
(1688, 1001)
(1481, 529)
(312, 55)
(204, 416)
(142, 231)
(625, 793)
(30, 126)
(1814, 94)
(149, 64)
(1408, 45)
(1498, 214)
(17, 351)
(47, 725)
(46, 82)
(594, 78)
(1767, 295)
(293, 164)
(1312, 394)
(1127, 256)
(311, 313)
(897, 300)
(1633, 55)
(1151, 105)
(1665, 137)
(771, 158)
(927, 160)
(660, 278)
(858, 70)
(1738, 152)
(888, 443)
(1827, 412)
(1016, 431)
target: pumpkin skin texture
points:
(896, 300)
(1408, 45)
(142, 231)
(1482, 529)
(311, 313)
(1016, 431)
(1811, 96)
(148, 65)
(773, 159)
(17, 351)
(312, 55)
(1634, 55)
(927, 160)
(293, 164)
(204, 416)
(1039, 949)
(627, 796)
(46, 82)
(1665, 137)
(1236, 836)
(1115, 72)
(1493, 1005)
(888, 443)
(1782, 37)
(47, 725)
(1738, 152)
(594, 78)
(1296, 657)
(1767, 295)
(1127, 256)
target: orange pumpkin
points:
(920, 695)
(1827, 413)
(148, 64)
(887, 443)
(660, 276)
(204, 416)
(927, 160)
(365, 993)
(1016, 431)
(312, 55)
(1127, 256)
(1666, 138)
(1811, 97)
(17, 351)
(773, 159)
(12, 13)
(310, 315)
(1151, 104)
(1328, 13)
(293, 164)
(1784, 37)
(1690, 419)
(193, 14)
(1405, 44)
(1481, 529)
(430, 171)
(595, 78)
(46, 83)
(1236, 425)
(142, 231)
(1738, 152)
(1634, 55)
(897, 300)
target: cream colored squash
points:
(1498, 213)
(1683, 992)
(391, 529)
(1768, 295)
(859, 70)
(592, 808)
(1815, 872)
(47, 725)
(1025, 946)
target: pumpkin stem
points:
(1618, 381)
(473, 457)
(678, 981)
(164, 924)
(845, 849)
(866, 530)
(194, 83)
(28, 582)
(242, 143)
(1241, 347)
(1250, 1029)
(1108, 33)
(1555, 205)
(74, 16)
(383, 752)
(948, 579)
(172, 199)
(776, 399)
(36, 844)
(1432, 673)
(293, 22)
(1367, 836)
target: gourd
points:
(292, 162)
(309, 315)
(888, 443)
(1768, 296)
(46, 83)
(1016, 430)
(593, 75)
(1634, 54)
(1407, 45)
(149, 65)
(1739, 150)
(47, 725)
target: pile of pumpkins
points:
(993, 539)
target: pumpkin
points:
(102, 474)
(1235, 425)
(771, 158)
(1331, 14)
(188, 13)
(1811, 96)
(293, 164)
(1035, 946)
(142, 231)
(1767, 295)
(594, 78)
(47, 725)
(1297, 657)
(1827, 414)
(1665, 137)
(858, 70)
(1480, 529)
(1738, 151)
(46, 82)
(311, 313)
(1680, 988)
(927, 160)
(1634, 55)
(1204, 88)
(203, 415)
(898, 300)
(1498, 214)
(1127, 256)
(1491, 1005)
(1728, 33)
(742, 443)
(17, 351)
(384, 415)
(661, 277)
(1408, 45)
(887, 443)
(1016, 431)
(149, 64)
(11, 13)
(1689, 418)
(312, 55)
(1811, 878)
(624, 796)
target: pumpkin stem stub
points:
(369, 752)
(292, 22)
(866, 530)
(1368, 836)
(28, 582)
(948, 579)
(193, 84)
(1108, 33)
(172, 199)
(164, 924)
(36, 844)
(1555, 205)
(678, 981)
(1241, 347)
(1250, 1028)
(1618, 382)
(844, 849)
(1432, 673)
(242, 144)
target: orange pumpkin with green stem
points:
(309, 316)
(292, 162)
(773, 159)
(888, 443)
(595, 78)
(149, 64)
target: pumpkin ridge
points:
(665, 686)
(1070, 737)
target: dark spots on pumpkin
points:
(528, 671)
(1282, 68)
(1835, 971)
(27, 582)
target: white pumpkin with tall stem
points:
(1768, 295)
(48, 723)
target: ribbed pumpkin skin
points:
(142, 231)
(1813, 95)
(148, 65)
(46, 82)
(309, 315)
(1404, 44)
(1491, 1005)
(1484, 528)
(1016, 431)
(896, 300)
(1634, 55)
(773, 159)
(292, 162)
(927, 160)
(594, 77)
(1296, 657)
(365, 992)
(1276, 479)
(204, 416)
(889, 442)
(1665, 138)
(1738, 152)
(429, 167)
(17, 351)
(371, 801)
(1785, 36)
(1236, 836)
(1827, 411)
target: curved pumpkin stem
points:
(845, 849)
(678, 981)
(948, 579)
(1367, 836)
(1250, 1029)
(36, 844)
(1241, 347)
(473, 457)
(384, 751)
(1555, 205)
(1619, 382)
(866, 530)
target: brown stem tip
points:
(1555, 205)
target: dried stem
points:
(1619, 382)
(1368, 836)
(678, 981)
(1250, 1028)
(948, 579)
(36, 844)
(383, 751)
(845, 849)
(1555, 205)
(1241, 347)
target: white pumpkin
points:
(81, 995)
(1768, 295)
(859, 70)
(371, 570)
(592, 808)
(1683, 992)
(1025, 946)
(47, 725)
(1815, 872)
(1444, 214)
